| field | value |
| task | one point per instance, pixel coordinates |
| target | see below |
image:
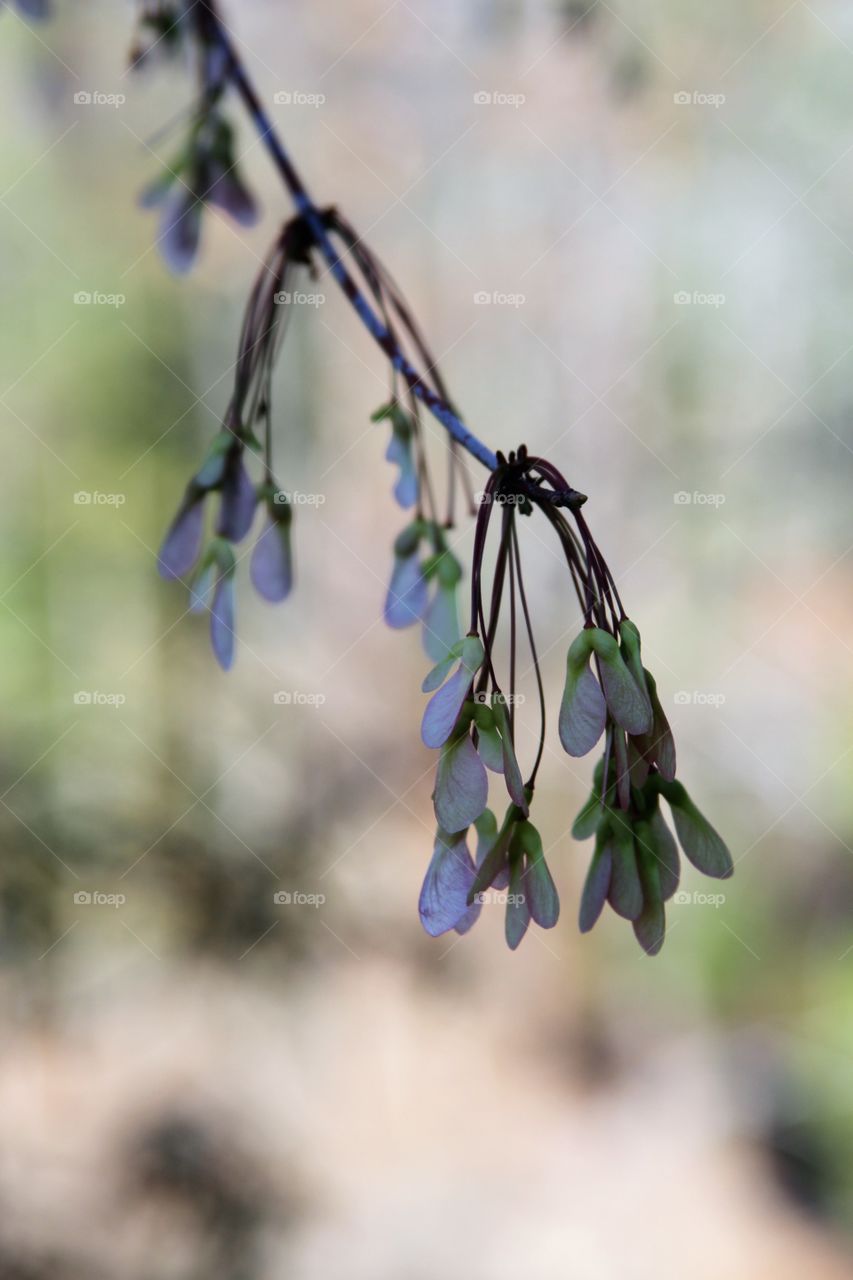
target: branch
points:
(314, 219)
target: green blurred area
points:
(326, 1089)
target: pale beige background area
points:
(200, 1082)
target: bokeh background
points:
(199, 1081)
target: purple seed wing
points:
(543, 901)
(222, 621)
(182, 544)
(200, 589)
(583, 711)
(596, 888)
(180, 229)
(491, 749)
(462, 788)
(517, 910)
(625, 894)
(238, 502)
(701, 843)
(439, 673)
(666, 850)
(470, 918)
(441, 623)
(443, 900)
(407, 592)
(442, 710)
(228, 193)
(626, 701)
(650, 924)
(271, 569)
(399, 452)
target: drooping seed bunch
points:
(608, 692)
(205, 171)
(247, 430)
(426, 572)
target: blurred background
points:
(198, 1080)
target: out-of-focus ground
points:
(201, 1081)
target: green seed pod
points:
(666, 851)
(495, 860)
(623, 777)
(461, 789)
(543, 902)
(439, 673)
(626, 701)
(597, 884)
(630, 637)
(650, 924)
(658, 745)
(625, 894)
(638, 765)
(408, 540)
(700, 842)
(489, 743)
(511, 771)
(583, 710)
(517, 910)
